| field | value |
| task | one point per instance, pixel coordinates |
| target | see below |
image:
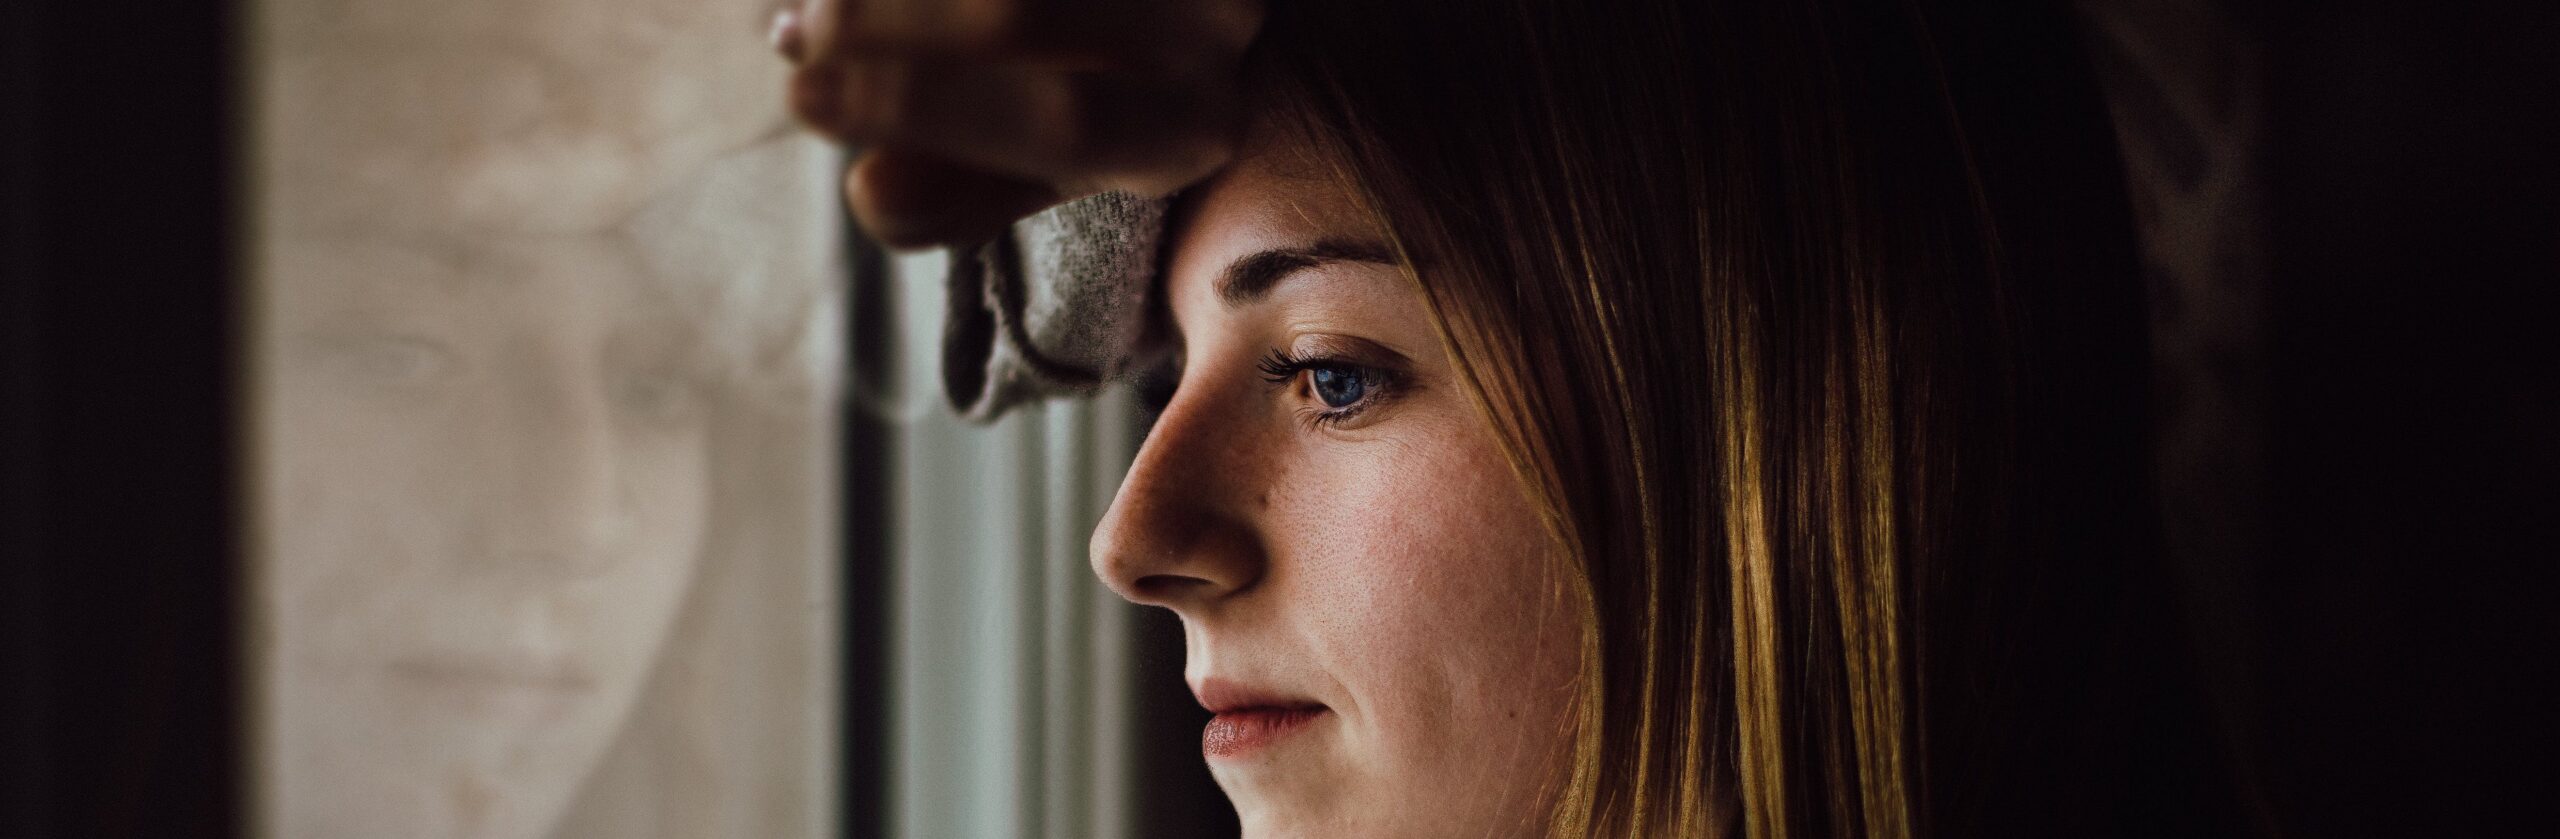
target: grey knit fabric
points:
(1057, 307)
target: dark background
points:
(116, 421)
(2356, 401)
(2401, 596)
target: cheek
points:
(358, 485)
(1439, 612)
(666, 487)
(663, 505)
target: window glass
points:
(544, 327)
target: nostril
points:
(1166, 588)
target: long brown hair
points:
(1813, 327)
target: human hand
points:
(975, 113)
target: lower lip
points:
(474, 675)
(1241, 732)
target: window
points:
(543, 339)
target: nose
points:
(560, 492)
(1175, 535)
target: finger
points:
(908, 198)
(1081, 131)
(1089, 34)
(786, 34)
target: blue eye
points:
(1343, 390)
(1338, 387)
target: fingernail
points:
(784, 34)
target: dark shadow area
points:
(120, 531)
(2414, 221)
(1176, 796)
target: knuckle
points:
(936, 24)
(985, 19)
(986, 14)
(813, 94)
(851, 100)
(1176, 165)
(1229, 26)
(1074, 144)
(1155, 133)
(1054, 122)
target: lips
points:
(1235, 734)
(494, 672)
(1249, 719)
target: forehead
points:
(1278, 196)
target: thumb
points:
(908, 198)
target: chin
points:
(362, 751)
(469, 783)
(1300, 814)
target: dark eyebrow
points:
(1252, 276)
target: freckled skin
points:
(1389, 567)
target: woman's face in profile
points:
(1368, 601)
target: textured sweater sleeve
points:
(1056, 307)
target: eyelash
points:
(1280, 368)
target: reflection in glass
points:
(543, 321)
